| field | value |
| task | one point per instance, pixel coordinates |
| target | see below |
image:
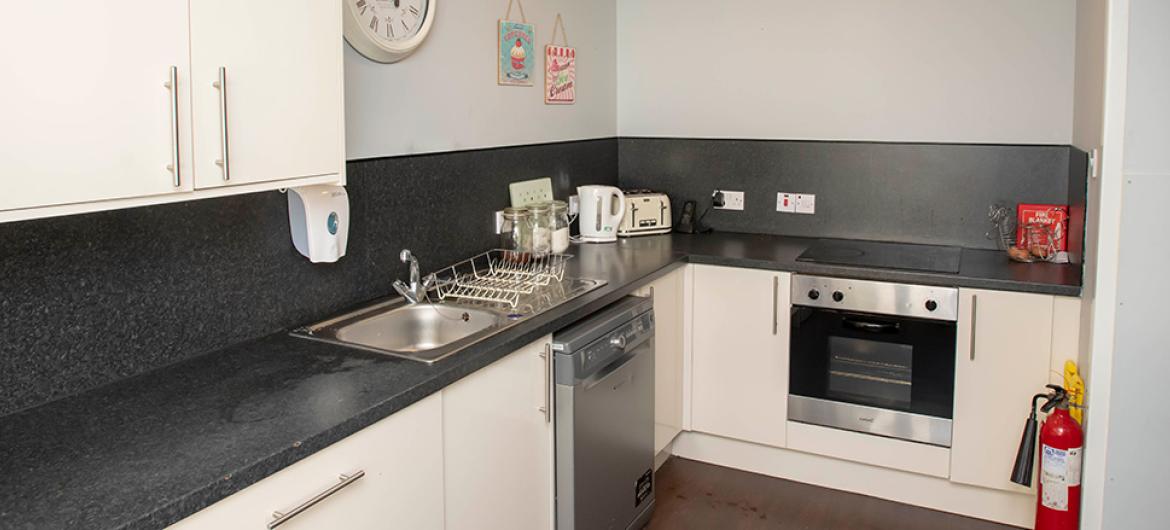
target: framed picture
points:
(560, 75)
(516, 58)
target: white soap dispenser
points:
(318, 217)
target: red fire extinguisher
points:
(1058, 503)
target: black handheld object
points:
(1026, 454)
(688, 223)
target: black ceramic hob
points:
(926, 258)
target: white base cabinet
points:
(402, 457)
(1004, 354)
(739, 373)
(498, 444)
(667, 293)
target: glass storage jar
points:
(516, 234)
(542, 228)
(560, 227)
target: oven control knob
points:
(931, 305)
(814, 294)
(838, 296)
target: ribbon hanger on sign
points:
(515, 49)
(560, 68)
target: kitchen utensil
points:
(602, 208)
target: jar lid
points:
(516, 213)
(540, 207)
(559, 206)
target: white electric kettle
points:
(602, 208)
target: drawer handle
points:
(173, 85)
(346, 480)
(974, 321)
(224, 162)
(546, 408)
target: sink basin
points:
(429, 332)
(425, 332)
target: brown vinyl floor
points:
(694, 495)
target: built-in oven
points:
(873, 357)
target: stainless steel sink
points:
(429, 332)
(425, 331)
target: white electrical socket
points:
(785, 202)
(806, 204)
(574, 204)
(499, 221)
(732, 200)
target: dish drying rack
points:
(499, 276)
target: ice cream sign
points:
(560, 75)
(516, 56)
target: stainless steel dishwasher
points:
(605, 418)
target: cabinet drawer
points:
(402, 487)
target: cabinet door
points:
(667, 292)
(1004, 350)
(402, 488)
(498, 444)
(283, 92)
(84, 103)
(739, 372)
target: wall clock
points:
(387, 31)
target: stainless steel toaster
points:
(647, 212)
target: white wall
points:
(909, 70)
(1089, 80)
(445, 97)
(1135, 465)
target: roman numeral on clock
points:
(374, 24)
(414, 11)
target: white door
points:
(739, 374)
(1004, 351)
(498, 444)
(84, 106)
(402, 489)
(667, 292)
(282, 95)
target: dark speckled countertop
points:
(148, 451)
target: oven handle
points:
(872, 327)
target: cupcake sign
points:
(516, 56)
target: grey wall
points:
(1137, 430)
(90, 299)
(912, 192)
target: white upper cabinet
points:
(1004, 353)
(92, 120)
(739, 381)
(86, 112)
(278, 114)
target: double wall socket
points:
(796, 203)
(732, 200)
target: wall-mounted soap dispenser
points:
(318, 217)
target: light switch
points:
(785, 202)
(806, 204)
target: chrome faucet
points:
(416, 291)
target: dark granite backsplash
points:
(910, 192)
(90, 299)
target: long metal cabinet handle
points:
(546, 355)
(173, 85)
(224, 161)
(974, 316)
(775, 305)
(282, 518)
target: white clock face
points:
(390, 21)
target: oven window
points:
(883, 361)
(871, 371)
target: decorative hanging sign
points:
(560, 69)
(516, 47)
